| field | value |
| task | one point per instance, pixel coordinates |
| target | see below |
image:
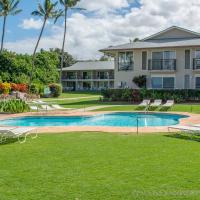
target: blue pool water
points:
(114, 119)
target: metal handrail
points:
(162, 64)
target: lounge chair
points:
(38, 102)
(47, 107)
(144, 103)
(58, 107)
(168, 104)
(11, 132)
(35, 108)
(156, 103)
(185, 128)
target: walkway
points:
(74, 98)
(91, 108)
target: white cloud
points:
(31, 24)
(103, 6)
(87, 34)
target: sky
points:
(102, 24)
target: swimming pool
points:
(127, 119)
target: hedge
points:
(138, 95)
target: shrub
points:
(22, 87)
(137, 95)
(56, 89)
(14, 106)
(140, 81)
(5, 88)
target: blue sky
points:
(14, 32)
(105, 23)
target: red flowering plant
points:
(14, 87)
(22, 87)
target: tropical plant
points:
(140, 81)
(7, 7)
(15, 68)
(14, 106)
(46, 11)
(5, 88)
(56, 89)
(67, 4)
(68, 59)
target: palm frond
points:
(57, 15)
(41, 10)
(14, 5)
(16, 12)
(9, 7)
(36, 13)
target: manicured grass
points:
(97, 166)
(75, 94)
(192, 108)
(93, 100)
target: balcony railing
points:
(196, 64)
(125, 66)
(162, 64)
(71, 77)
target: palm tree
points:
(67, 4)
(7, 7)
(46, 11)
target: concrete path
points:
(91, 108)
(74, 98)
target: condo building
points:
(169, 59)
(88, 75)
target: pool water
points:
(114, 119)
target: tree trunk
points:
(3, 34)
(63, 46)
(34, 53)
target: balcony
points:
(162, 65)
(125, 66)
(196, 64)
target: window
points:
(198, 54)
(144, 60)
(163, 82)
(197, 60)
(187, 82)
(164, 60)
(168, 82)
(125, 61)
(197, 82)
(187, 59)
(156, 82)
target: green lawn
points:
(75, 94)
(193, 108)
(100, 166)
(92, 99)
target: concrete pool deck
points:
(192, 119)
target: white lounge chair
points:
(185, 128)
(11, 132)
(156, 103)
(47, 107)
(168, 104)
(35, 108)
(144, 103)
(38, 102)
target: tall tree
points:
(67, 4)
(7, 7)
(68, 59)
(46, 11)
